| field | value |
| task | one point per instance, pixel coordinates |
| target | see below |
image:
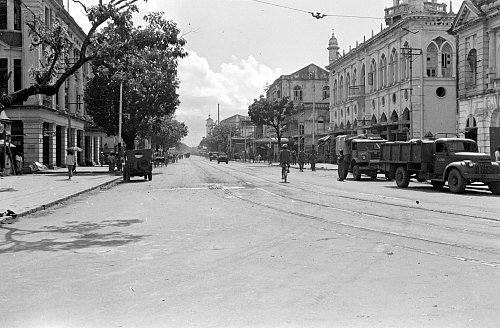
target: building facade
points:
(400, 83)
(309, 90)
(43, 127)
(477, 29)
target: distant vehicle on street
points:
(213, 155)
(453, 160)
(222, 157)
(138, 162)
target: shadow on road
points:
(72, 236)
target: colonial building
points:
(477, 28)
(43, 127)
(400, 83)
(309, 90)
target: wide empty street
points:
(230, 245)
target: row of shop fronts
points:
(41, 135)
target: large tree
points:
(145, 66)
(271, 113)
(168, 133)
(57, 62)
(219, 138)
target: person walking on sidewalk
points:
(341, 169)
(19, 163)
(70, 162)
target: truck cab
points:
(361, 152)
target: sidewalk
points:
(29, 193)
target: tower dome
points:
(333, 48)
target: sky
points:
(236, 47)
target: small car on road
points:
(138, 162)
(222, 158)
(213, 155)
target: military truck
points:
(138, 162)
(453, 160)
(360, 155)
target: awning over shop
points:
(324, 139)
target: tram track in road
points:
(357, 199)
(495, 252)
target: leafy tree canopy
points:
(168, 133)
(59, 61)
(144, 62)
(218, 140)
(271, 113)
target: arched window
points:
(372, 76)
(335, 99)
(383, 118)
(348, 86)
(383, 72)
(432, 60)
(393, 67)
(394, 116)
(341, 89)
(362, 80)
(471, 69)
(405, 62)
(355, 83)
(297, 93)
(278, 93)
(406, 115)
(326, 92)
(446, 68)
(471, 128)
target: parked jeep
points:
(138, 162)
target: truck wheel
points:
(456, 182)
(402, 177)
(494, 187)
(437, 184)
(356, 173)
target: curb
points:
(55, 202)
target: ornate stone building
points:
(308, 89)
(477, 28)
(43, 127)
(400, 83)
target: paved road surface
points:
(216, 245)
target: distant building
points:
(43, 127)
(209, 125)
(308, 89)
(243, 125)
(401, 82)
(477, 28)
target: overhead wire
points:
(316, 15)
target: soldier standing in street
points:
(301, 160)
(341, 166)
(312, 159)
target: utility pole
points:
(410, 53)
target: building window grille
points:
(432, 60)
(297, 93)
(17, 15)
(4, 67)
